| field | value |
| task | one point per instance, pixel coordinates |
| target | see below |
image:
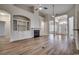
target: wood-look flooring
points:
(46, 45)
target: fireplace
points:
(36, 33)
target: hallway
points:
(45, 45)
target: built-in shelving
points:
(21, 23)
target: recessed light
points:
(2, 13)
(40, 8)
(53, 16)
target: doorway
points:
(4, 28)
(59, 27)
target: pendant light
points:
(53, 11)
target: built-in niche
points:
(21, 23)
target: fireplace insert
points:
(36, 33)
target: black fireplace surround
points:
(36, 33)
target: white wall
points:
(6, 25)
(47, 18)
(42, 30)
(35, 21)
(2, 28)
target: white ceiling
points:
(58, 8)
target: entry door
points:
(2, 28)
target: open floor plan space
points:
(39, 29)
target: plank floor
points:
(46, 45)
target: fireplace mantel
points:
(35, 28)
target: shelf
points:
(21, 23)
